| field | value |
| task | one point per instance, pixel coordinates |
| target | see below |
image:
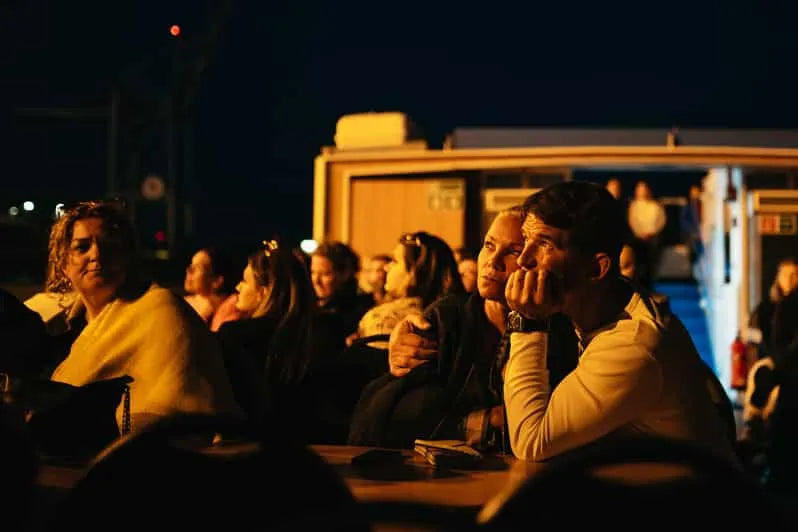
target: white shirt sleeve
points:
(615, 381)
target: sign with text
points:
(446, 195)
(778, 224)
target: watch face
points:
(515, 321)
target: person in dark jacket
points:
(27, 348)
(268, 355)
(782, 457)
(446, 370)
(333, 272)
(23, 338)
(784, 282)
(772, 402)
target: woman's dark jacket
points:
(431, 401)
(255, 379)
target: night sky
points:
(280, 74)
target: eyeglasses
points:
(269, 246)
(410, 239)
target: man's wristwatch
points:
(517, 323)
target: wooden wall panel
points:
(383, 209)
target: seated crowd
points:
(550, 350)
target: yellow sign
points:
(446, 195)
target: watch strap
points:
(518, 323)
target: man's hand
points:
(535, 294)
(407, 349)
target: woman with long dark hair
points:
(268, 353)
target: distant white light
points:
(308, 246)
(13, 211)
(59, 210)
(28, 206)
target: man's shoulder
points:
(628, 331)
(642, 323)
(649, 323)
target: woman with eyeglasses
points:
(268, 353)
(132, 327)
(423, 270)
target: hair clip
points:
(269, 246)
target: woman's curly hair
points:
(290, 302)
(116, 221)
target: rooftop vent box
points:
(377, 130)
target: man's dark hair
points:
(595, 219)
(342, 257)
(223, 264)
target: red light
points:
(174, 30)
(160, 236)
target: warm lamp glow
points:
(308, 246)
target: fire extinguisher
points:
(739, 364)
